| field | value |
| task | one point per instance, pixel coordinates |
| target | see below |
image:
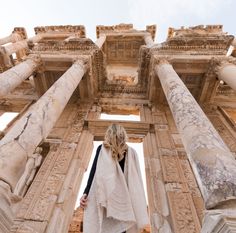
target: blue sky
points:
(163, 13)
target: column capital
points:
(82, 62)
(6, 59)
(35, 57)
(162, 60)
(37, 60)
(219, 63)
(15, 37)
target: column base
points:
(219, 221)
(6, 214)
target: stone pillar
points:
(234, 42)
(100, 41)
(227, 73)
(32, 128)
(10, 39)
(148, 40)
(213, 164)
(13, 77)
(71, 185)
(23, 44)
(6, 40)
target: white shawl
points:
(116, 201)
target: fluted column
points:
(13, 77)
(32, 128)
(148, 40)
(213, 164)
(227, 73)
(100, 41)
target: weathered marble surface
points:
(234, 42)
(13, 77)
(36, 124)
(227, 73)
(148, 40)
(6, 214)
(100, 41)
(11, 38)
(220, 220)
(15, 47)
(213, 164)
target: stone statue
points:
(33, 162)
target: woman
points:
(114, 199)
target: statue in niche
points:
(32, 164)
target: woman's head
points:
(115, 139)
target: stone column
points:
(213, 164)
(100, 41)
(227, 73)
(13, 77)
(234, 42)
(32, 128)
(23, 44)
(148, 40)
(6, 40)
(10, 39)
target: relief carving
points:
(31, 167)
(170, 169)
(183, 213)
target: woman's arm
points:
(92, 171)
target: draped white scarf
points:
(116, 201)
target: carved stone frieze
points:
(196, 40)
(79, 29)
(183, 213)
(81, 45)
(21, 31)
(171, 169)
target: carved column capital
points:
(162, 60)
(35, 57)
(82, 62)
(39, 64)
(219, 63)
(6, 59)
(16, 37)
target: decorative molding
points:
(78, 29)
(21, 31)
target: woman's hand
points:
(83, 201)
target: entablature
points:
(62, 31)
(197, 40)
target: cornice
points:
(77, 45)
(78, 29)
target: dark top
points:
(93, 169)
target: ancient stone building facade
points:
(60, 82)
